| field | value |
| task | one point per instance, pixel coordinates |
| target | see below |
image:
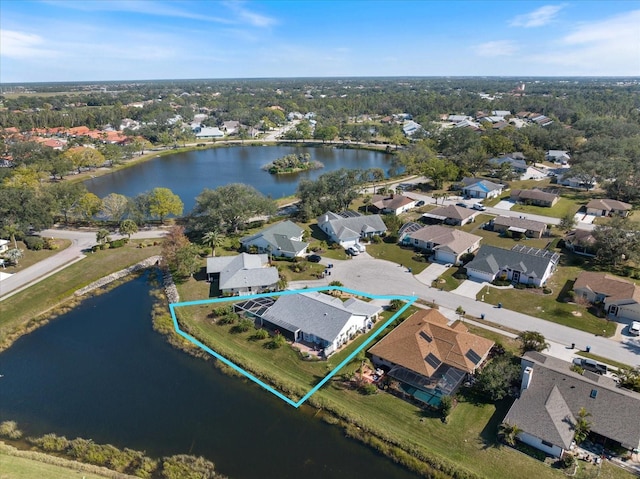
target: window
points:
(548, 444)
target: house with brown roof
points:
(429, 358)
(534, 197)
(448, 245)
(451, 215)
(519, 226)
(620, 297)
(393, 204)
(608, 207)
(551, 396)
(580, 242)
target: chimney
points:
(526, 378)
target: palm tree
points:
(12, 230)
(508, 433)
(582, 427)
(212, 239)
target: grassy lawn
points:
(550, 306)
(447, 282)
(602, 359)
(14, 467)
(18, 310)
(397, 254)
(563, 207)
(32, 257)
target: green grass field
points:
(32, 257)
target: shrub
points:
(446, 405)
(567, 461)
(9, 429)
(376, 239)
(222, 310)
(118, 243)
(34, 243)
(259, 335)
(546, 290)
(51, 443)
(243, 326)
(368, 389)
(276, 342)
(49, 243)
(229, 318)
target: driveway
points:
(469, 288)
(504, 205)
(431, 273)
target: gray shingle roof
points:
(243, 271)
(279, 237)
(525, 223)
(352, 226)
(490, 259)
(548, 407)
(315, 313)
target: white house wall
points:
(629, 311)
(536, 442)
(481, 275)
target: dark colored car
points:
(420, 203)
(314, 258)
(590, 365)
(462, 205)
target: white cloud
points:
(606, 47)
(538, 18)
(16, 44)
(252, 18)
(497, 48)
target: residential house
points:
(231, 127)
(620, 297)
(479, 188)
(534, 197)
(608, 207)
(349, 227)
(410, 128)
(551, 397)
(451, 215)
(519, 226)
(502, 113)
(560, 157)
(458, 118)
(447, 244)
(567, 178)
(314, 317)
(242, 274)
(521, 264)
(580, 242)
(393, 203)
(283, 239)
(4, 245)
(208, 132)
(542, 120)
(428, 357)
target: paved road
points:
(375, 276)
(81, 240)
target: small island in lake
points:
(292, 164)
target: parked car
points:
(420, 203)
(360, 247)
(352, 251)
(461, 204)
(634, 329)
(479, 207)
(590, 365)
(314, 258)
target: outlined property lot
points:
(371, 336)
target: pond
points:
(187, 174)
(101, 372)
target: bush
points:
(118, 243)
(243, 326)
(368, 389)
(229, 318)
(259, 335)
(377, 239)
(446, 405)
(50, 243)
(546, 290)
(35, 243)
(9, 429)
(567, 461)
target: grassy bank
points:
(25, 311)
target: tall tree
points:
(532, 341)
(87, 206)
(617, 242)
(66, 195)
(114, 206)
(582, 426)
(228, 207)
(128, 227)
(211, 239)
(163, 202)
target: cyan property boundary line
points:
(409, 300)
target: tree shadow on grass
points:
(201, 274)
(564, 292)
(489, 433)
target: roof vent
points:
(594, 393)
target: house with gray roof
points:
(517, 165)
(479, 188)
(451, 215)
(519, 226)
(447, 244)
(283, 239)
(560, 157)
(318, 318)
(551, 396)
(521, 264)
(242, 274)
(393, 203)
(348, 228)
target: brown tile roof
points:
(455, 212)
(581, 236)
(392, 202)
(615, 288)
(426, 333)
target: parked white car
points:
(352, 251)
(360, 247)
(479, 207)
(634, 329)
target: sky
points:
(104, 40)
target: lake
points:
(187, 174)
(101, 372)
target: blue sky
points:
(85, 40)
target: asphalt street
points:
(367, 274)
